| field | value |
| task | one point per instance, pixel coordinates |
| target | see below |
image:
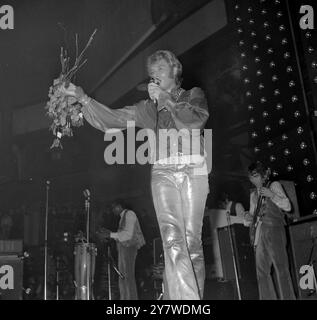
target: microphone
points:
(157, 82)
(86, 193)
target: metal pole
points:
(234, 256)
(45, 240)
(88, 263)
(109, 273)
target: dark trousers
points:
(271, 250)
(126, 264)
(179, 196)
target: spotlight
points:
(310, 50)
(306, 162)
(287, 55)
(281, 27)
(267, 128)
(308, 35)
(300, 130)
(294, 98)
(291, 83)
(281, 121)
(303, 145)
(255, 46)
(309, 178)
(275, 173)
(279, 106)
(274, 78)
(289, 168)
(287, 152)
(284, 41)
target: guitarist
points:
(267, 201)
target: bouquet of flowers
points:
(65, 111)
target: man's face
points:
(116, 209)
(162, 73)
(256, 179)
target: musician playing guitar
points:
(267, 233)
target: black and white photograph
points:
(158, 150)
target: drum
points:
(85, 258)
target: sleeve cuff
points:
(114, 235)
(84, 100)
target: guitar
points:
(256, 223)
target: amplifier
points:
(303, 239)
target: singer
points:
(179, 174)
(271, 248)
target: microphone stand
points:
(111, 263)
(234, 256)
(45, 240)
(87, 207)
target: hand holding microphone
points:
(154, 89)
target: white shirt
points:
(126, 233)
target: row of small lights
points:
(275, 78)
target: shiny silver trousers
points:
(179, 196)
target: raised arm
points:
(103, 118)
